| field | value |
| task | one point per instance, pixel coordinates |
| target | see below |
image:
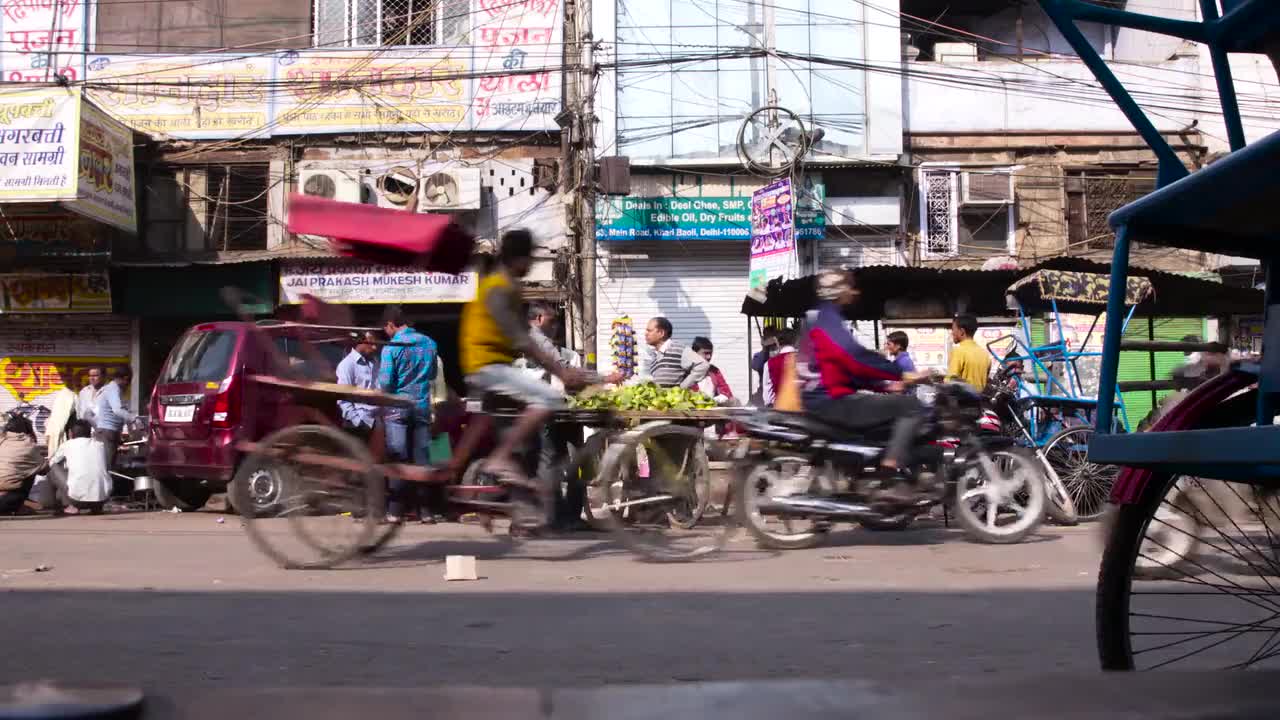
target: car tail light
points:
(226, 404)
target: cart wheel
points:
(645, 475)
(328, 512)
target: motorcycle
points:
(1001, 396)
(796, 475)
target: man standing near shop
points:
(359, 369)
(968, 362)
(408, 368)
(112, 414)
(668, 363)
(88, 404)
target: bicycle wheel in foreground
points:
(1190, 579)
(652, 482)
(331, 505)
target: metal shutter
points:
(33, 348)
(1136, 366)
(698, 286)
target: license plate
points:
(179, 413)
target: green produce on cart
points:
(644, 397)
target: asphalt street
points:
(166, 601)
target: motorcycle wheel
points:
(1003, 509)
(1059, 505)
(752, 479)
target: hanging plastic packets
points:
(623, 343)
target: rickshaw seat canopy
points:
(1043, 288)
(384, 236)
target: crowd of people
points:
(82, 434)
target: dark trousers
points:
(110, 440)
(11, 500)
(556, 444)
(409, 440)
(862, 411)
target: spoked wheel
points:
(652, 487)
(1000, 495)
(1089, 484)
(1191, 579)
(1059, 505)
(333, 499)
(755, 481)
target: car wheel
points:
(264, 486)
(185, 495)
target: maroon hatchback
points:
(202, 405)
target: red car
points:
(202, 405)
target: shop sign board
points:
(773, 237)
(371, 284)
(56, 293)
(700, 218)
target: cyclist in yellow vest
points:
(493, 334)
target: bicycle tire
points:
(616, 462)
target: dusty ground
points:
(183, 600)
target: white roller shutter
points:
(698, 286)
(35, 348)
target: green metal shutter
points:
(1136, 366)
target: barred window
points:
(376, 23)
(1092, 195)
(204, 208)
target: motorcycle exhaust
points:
(807, 505)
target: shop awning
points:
(193, 291)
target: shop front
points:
(684, 251)
(432, 301)
(53, 328)
(167, 300)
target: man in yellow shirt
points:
(493, 334)
(969, 362)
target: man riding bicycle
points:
(493, 334)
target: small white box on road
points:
(460, 567)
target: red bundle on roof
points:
(383, 235)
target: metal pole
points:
(580, 99)
(1113, 332)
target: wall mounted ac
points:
(986, 188)
(448, 189)
(331, 183)
(392, 187)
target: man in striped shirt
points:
(668, 363)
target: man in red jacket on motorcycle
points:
(843, 367)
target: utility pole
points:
(580, 124)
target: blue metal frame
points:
(1244, 27)
(1051, 391)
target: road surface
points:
(165, 601)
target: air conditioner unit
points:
(331, 183)
(986, 188)
(393, 187)
(454, 188)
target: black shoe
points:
(901, 491)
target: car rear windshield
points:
(201, 356)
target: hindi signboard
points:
(773, 240)
(518, 59)
(56, 293)
(190, 96)
(352, 91)
(43, 40)
(371, 284)
(105, 193)
(38, 130)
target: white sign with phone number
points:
(372, 284)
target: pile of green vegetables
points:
(644, 397)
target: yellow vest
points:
(481, 339)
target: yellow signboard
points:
(192, 96)
(341, 91)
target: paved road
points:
(183, 600)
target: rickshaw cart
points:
(1188, 574)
